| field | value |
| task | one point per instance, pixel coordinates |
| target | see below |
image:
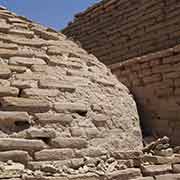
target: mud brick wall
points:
(116, 30)
(58, 104)
(154, 79)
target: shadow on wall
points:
(154, 80)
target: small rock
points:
(112, 167)
(49, 168)
(110, 160)
(165, 152)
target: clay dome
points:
(58, 102)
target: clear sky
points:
(51, 13)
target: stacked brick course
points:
(117, 30)
(154, 80)
(62, 112)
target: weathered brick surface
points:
(61, 110)
(77, 143)
(21, 144)
(26, 104)
(115, 30)
(154, 81)
(54, 154)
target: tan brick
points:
(16, 156)
(24, 104)
(127, 154)
(72, 107)
(100, 120)
(44, 178)
(87, 176)
(8, 91)
(90, 152)
(52, 84)
(26, 33)
(40, 92)
(6, 53)
(4, 71)
(18, 69)
(21, 144)
(54, 154)
(46, 118)
(25, 61)
(12, 117)
(75, 142)
(34, 133)
(24, 84)
(168, 177)
(59, 61)
(45, 34)
(124, 174)
(152, 170)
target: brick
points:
(90, 152)
(8, 91)
(176, 168)
(15, 20)
(104, 82)
(7, 53)
(144, 178)
(34, 133)
(157, 160)
(8, 45)
(26, 33)
(152, 170)
(40, 92)
(21, 144)
(152, 79)
(168, 177)
(77, 132)
(36, 165)
(31, 76)
(24, 104)
(17, 69)
(171, 59)
(24, 61)
(12, 117)
(24, 84)
(26, 42)
(100, 120)
(87, 176)
(52, 84)
(72, 107)
(59, 61)
(126, 154)
(44, 178)
(124, 174)
(5, 72)
(16, 156)
(46, 118)
(4, 82)
(45, 34)
(54, 154)
(92, 133)
(4, 27)
(75, 142)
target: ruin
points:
(139, 41)
(65, 116)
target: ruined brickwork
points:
(63, 115)
(154, 79)
(117, 30)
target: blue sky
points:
(51, 13)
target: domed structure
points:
(57, 102)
